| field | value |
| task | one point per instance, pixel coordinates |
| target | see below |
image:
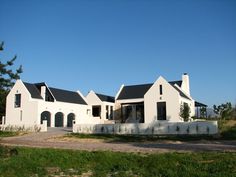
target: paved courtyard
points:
(54, 139)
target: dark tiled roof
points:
(106, 98)
(67, 96)
(134, 91)
(138, 91)
(58, 94)
(179, 83)
(34, 92)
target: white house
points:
(30, 104)
(158, 101)
(102, 106)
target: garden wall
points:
(25, 128)
(165, 128)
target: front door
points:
(70, 119)
(59, 120)
(161, 111)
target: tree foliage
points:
(185, 112)
(8, 76)
(225, 110)
(203, 112)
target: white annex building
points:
(158, 101)
(30, 104)
(102, 106)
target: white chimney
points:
(43, 92)
(185, 83)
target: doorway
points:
(161, 111)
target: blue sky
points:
(100, 45)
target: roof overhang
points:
(198, 104)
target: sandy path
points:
(53, 139)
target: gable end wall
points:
(170, 96)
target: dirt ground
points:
(54, 139)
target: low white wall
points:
(167, 128)
(90, 120)
(24, 128)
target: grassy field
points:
(227, 129)
(51, 162)
(7, 134)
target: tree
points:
(185, 112)
(225, 110)
(7, 79)
(203, 112)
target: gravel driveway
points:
(54, 139)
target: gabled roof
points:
(67, 96)
(179, 83)
(134, 91)
(182, 94)
(33, 90)
(138, 91)
(106, 98)
(58, 94)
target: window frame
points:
(17, 102)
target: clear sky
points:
(99, 45)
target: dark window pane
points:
(160, 88)
(17, 100)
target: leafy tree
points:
(203, 112)
(225, 110)
(7, 79)
(234, 112)
(185, 112)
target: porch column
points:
(3, 120)
(134, 111)
(65, 120)
(52, 119)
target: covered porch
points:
(200, 110)
(132, 112)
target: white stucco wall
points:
(81, 111)
(28, 107)
(169, 95)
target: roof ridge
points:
(103, 94)
(62, 89)
(138, 85)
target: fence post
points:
(44, 126)
(3, 120)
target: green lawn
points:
(6, 134)
(51, 162)
(227, 129)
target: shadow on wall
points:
(120, 117)
(173, 128)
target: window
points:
(111, 112)
(160, 89)
(17, 100)
(96, 111)
(88, 111)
